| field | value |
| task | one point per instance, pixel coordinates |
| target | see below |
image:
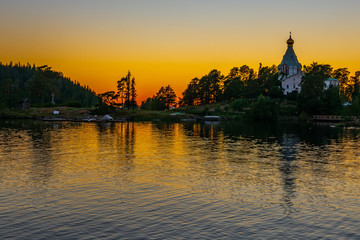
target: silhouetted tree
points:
(109, 98)
(244, 82)
(210, 87)
(355, 81)
(312, 88)
(133, 93)
(191, 94)
(234, 89)
(126, 91)
(121, 90)
(331, 101)
(167, 96)
(322, 70)
(233, 74)
(268, 81)
(153, 103)
(205, 90)
(342, 74)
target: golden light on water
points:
(143, 152)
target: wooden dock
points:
(328, 118)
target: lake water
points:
(232, 180)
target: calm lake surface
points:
(178, 181)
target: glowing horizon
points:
(171, 42)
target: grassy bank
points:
(39, 113)
(258, 109)
(133, 115)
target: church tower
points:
(290, 70)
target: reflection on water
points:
(178, 181)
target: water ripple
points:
(177, 181)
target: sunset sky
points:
(172, 41)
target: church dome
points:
(290, 41)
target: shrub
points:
(75, 104)
(264, 109)
(239, 104)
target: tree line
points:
(42, 86)
(244, 85)
(241, 82)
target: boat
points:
(212, 118)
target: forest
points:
(245, 86)
(42, 86)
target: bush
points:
(288, 111)
(153, 104)
(292, 96)
(193, 110)
(355, 107)
(264, 109)
(304, 116)
(276, 92)
(73, 104)
(239, 104)
(205, 110)
(3, 106)
(102, 109)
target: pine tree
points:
(121, 90)
(133, 93)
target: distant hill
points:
(42, 86)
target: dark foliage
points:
(164, 99)
(314, 98)
(39, 84)
(264, 109)
(167, 96)
(153, 103)
(239, 104)
(206, 90)
(126, 91)
(241, 82)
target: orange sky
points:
(170, 42)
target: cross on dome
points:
(290, 41)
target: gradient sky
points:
(172, 41)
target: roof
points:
(332, 79)
(290, 58)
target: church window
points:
(285, 69)
(299, 68)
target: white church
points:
(290, 71)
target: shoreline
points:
(68, 114)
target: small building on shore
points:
(331, 82)
(26, 104)
(23, 104)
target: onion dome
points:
(290, 41)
